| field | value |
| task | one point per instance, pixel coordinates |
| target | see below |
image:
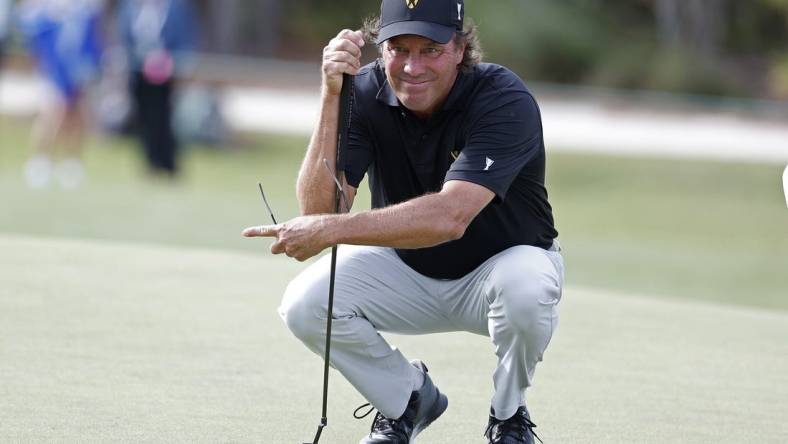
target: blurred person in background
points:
(5, 25)
(159, 37)
(64, 38)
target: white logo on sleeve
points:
(459, 11)
(489, 163)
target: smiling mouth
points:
(415, 82)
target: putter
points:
(342, 196)
(265, 201)
(345, 110)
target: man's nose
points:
(414, 65)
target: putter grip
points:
(345, 111)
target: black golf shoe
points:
(516, 430)
(424, 407)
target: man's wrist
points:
(332, 228)
(326, 94)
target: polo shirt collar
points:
(389, 97)
(386, 94)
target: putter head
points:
(323, 423)
(785, 184)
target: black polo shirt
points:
(488, 131)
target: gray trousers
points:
(511, 298)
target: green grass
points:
(132, 310)
(693, 229)
(102, 341)
(689, 229)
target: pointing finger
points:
(262, 231)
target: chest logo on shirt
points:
(455, 154)
(411, 3)
(489, 163)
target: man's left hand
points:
(299, 238)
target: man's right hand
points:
(342, 55)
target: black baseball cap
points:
(436, 20)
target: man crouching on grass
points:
(461, 234)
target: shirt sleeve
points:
(504, 137)
(359, 149)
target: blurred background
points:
(719, 47)
(666, 123)
(133, 134)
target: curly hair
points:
(471, 57)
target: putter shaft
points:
(265, 201)
(342, 196)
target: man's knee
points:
(304, 309)
(527, 306)
(526, 291)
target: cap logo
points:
(411, 3)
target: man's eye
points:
(432, 52)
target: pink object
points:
(158, 67)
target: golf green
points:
(102, 341)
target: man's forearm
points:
(425, 221)
(422, 222)
(315, 188)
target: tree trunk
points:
(668, 22)
(269, 16)
(224, 34)
(694, 25)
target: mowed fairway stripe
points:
(116, 342)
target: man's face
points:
(421, 72)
